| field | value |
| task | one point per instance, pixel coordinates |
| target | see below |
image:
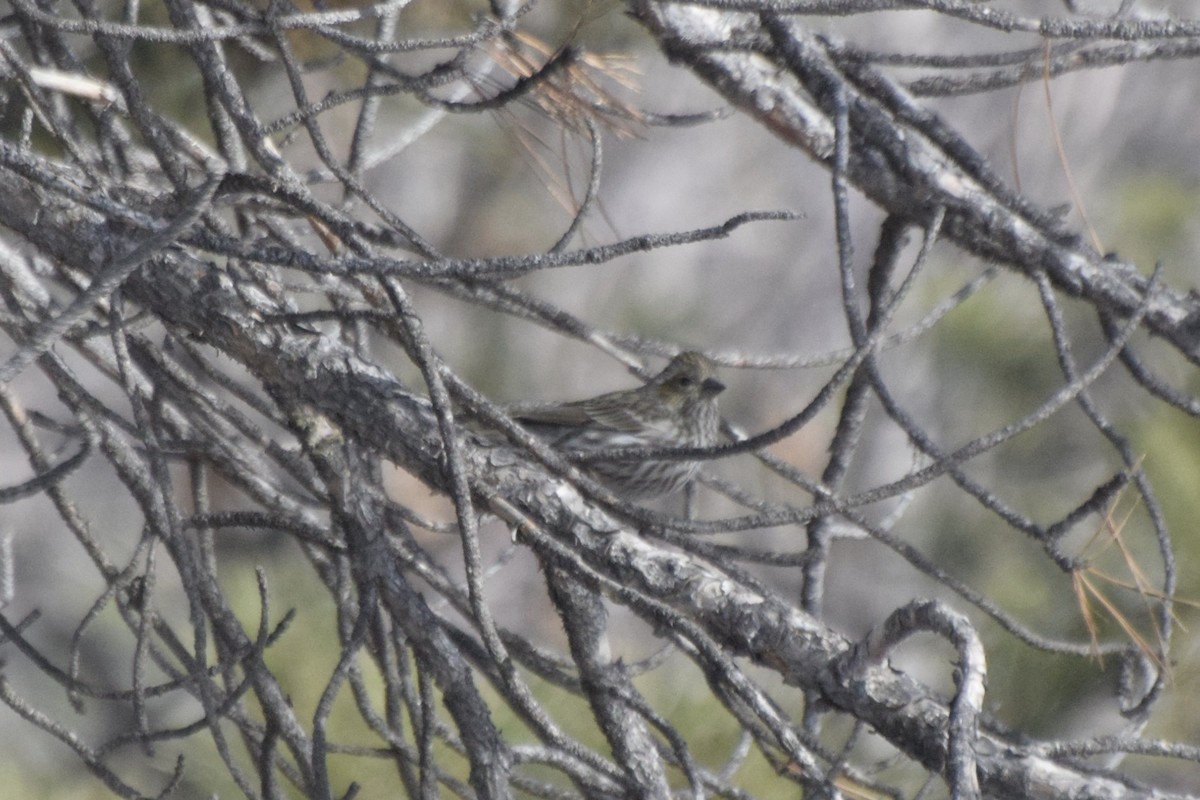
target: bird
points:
(675, 408)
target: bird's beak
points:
(711, 387)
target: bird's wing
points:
(606, 411)
(558, 414)
(615, 416)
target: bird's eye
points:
(686, 381)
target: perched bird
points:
(676, 408)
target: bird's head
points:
(688, 378)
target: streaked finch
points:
(676, 408)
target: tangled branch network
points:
(286, 512)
